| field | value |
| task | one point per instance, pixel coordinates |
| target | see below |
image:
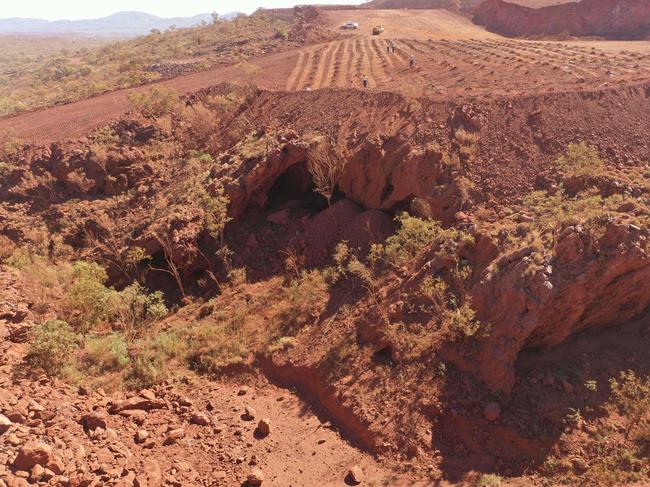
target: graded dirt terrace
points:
(455, 60)
(409, 24)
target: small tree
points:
(133, 307)
(215, 210)
(326, 168)
(167, 246)
(631, 395)
(85, 300)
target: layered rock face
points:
(587, 281)
(612, 19)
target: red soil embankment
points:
(613, 19)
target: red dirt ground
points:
(454, 60)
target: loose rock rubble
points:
(56, 434)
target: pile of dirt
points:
(310, 26)
(611, 19)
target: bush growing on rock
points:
(9, 145)
(7, 248)
(413, 235)
(147, 369)
(299, 306)
(215, 210)
(79, 294)
(488, 480)
(51, 347)
(631, 396)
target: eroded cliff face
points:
(586, 281)
(612, 19)
(382, 173)
(399, 153)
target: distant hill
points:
(119, 24)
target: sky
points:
(90, 9)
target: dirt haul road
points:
(454, 59)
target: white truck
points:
(350, 25)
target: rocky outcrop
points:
(587, 281)
(612, 19)
(381, 174)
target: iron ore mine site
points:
(403, 243)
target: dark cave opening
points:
(296, 184)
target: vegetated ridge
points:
(118, 24)
(70, 75)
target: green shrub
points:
(168, 344)
(488, 480)
(105, 354)
(631, 396)
(435, 290)
(85, 302)
(463, 321)
(298, 305)
(133, 308)
(52, 345)
(215, 210)
(5, 169)
(9, 145)
(106, 136)
(412, 236)
(215, 346)
(147, 369)
(581, 160)
(156, 102)
(282, 343)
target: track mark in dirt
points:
(356, 73)
(373, 65)
(384, 56)
(335, 69)
(349, 64)
(401, 51)
(292, 81)
(385, 61)
(414, 47)
(341, 65)
(302, 79)
(324, 65)
(334, 64)
(363, 65)
(313, 68)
